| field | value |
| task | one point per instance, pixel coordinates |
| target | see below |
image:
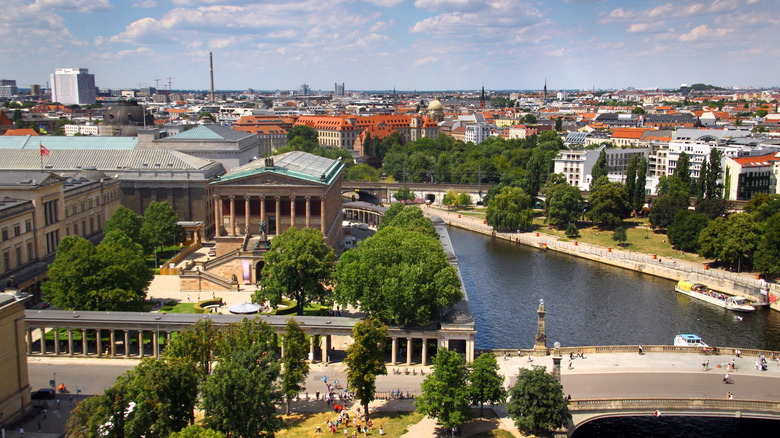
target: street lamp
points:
(54, 381)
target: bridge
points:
(382, 192)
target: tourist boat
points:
(688, 341)
(700, 291)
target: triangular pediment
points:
(266, 179)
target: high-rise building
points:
(35, 90)
(8, 88)
(71, 86)
(339, 91)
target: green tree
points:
(572, 231)
(197, 432)
(685, 229)
(559, 124)
(564, 205)
(715, 169)
(741, 239)
(197, 344)
(302, 131)
(403, 194)
(609, 204)
(239, 398)
(365, 359)
(408, 217)
(161, 226)
(411, 278)
(711, 239)
(536, 402)
(445, 392)
(701, 182)
(510, 209)
(619, 235)
(529, 119)
(126, 221)
(486, 384)
(638, 196)
(712, 207)
(638, 110)
(767, 255)
(450, 198)
(463, 199)
(362, 172)
(683, 171)
(601, 167)
(536, 170)
(112, 276)
(296, 349)
(664, 209)
(762, 112)
(297, 266)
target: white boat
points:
(688, 341)
(701, 292)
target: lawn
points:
(497, 433)
(394, 424)
(180, 308)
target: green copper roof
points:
(295, 164)
(209, 132)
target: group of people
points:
(360, 424)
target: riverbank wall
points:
(722, 281)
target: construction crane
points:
(157, 84)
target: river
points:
(588, 303)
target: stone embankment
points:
(672, 269)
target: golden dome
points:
(435, 105)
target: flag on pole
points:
(42, 129)
(657, 413)
(44, 151)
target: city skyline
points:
(386, 44)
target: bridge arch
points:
(361, 196)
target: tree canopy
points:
(411, 279)
(609, 204)
(601, 167)
(298, 266)
(536, 401)
(112, 276)
(563, 205)
(160, 226)
(510, 209)
(767, 255)
(126, 221)
(486, 384)
(302, 131)
(684, 231)
(407, 217)
(365, 359)
(445, 391)
(296, 350)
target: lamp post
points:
(54, 381)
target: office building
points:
(8, 88)
(73, 86)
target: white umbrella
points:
(245, 308)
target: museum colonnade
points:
(239, 215)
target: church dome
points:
(127, 113)
(435, 105)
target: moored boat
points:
(701, 292)
(689, 341)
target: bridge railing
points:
(671, 403)
(596, 349)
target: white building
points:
(8, 88)
(73, 86)
(697, 144)
(477, 133)
(577, 165)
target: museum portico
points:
(292, 189)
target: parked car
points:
(212, 252)
(363, 226)
(43, 394)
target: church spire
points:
(545, 88)
(482, 98)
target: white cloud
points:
(704, 32)
(497, 19)
(87, 6)
(124, 54)
(147, 4)
(450, 5)
(424, 61)
(646, 27)
(385, 3)
(381, 26)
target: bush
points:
(199, 307)
(572, 231)
(291, 309)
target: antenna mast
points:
(211, 69)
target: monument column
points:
(232, 215)
(98, 344)
(540, 347)
(246, 214)
(424, 361)
(308, 211)
(156, 343)
(292, 211)
(262, 210)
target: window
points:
(5, 234)
(18, 255)
(52, 240)
(28, 226)
(6, 261)
(50, 212)
(17, 229)
(30, 252)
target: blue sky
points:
(407, 44)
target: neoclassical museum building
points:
(292, 189)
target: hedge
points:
(211, 302)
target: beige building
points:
(37, 209)
(14, 386)
(343, 131)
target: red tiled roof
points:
(25, 131)
(634, 133)
(760, 160)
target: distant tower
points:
(545, 88)
(540, 347)
(482, 98)
(211, 69)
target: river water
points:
(588, 303)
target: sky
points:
(386, 44)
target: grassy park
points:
(394, 424)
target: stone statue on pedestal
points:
(262, 229)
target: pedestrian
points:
(571, 355)
(381, 431)
(729, 396)
(58, 403)
(570, 367)
(640, 350)
(39, 426)
(705, 365)
(504, 356)
(21, 432)
(44, 413)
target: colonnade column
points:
(394, 352)
(84, 341)
(292, 211)
(156, 344)
(325, 348)
(217, 211)
(308, 211)
(262, 211)
(113, 343)
(141, 344)
(29, 341)
(232, 215)
(70, 342)
(469, 350)
(311, 347)
(424, 360)
(127, 343)
(409, 345)
(322, 216)
(43, 340)
(278, 215)
(98, 344)
(56, 341)
(281, 346)
(246, 214)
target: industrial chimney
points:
(211, 70)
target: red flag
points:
(44, 151)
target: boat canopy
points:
(691, 339)
(685, 285)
